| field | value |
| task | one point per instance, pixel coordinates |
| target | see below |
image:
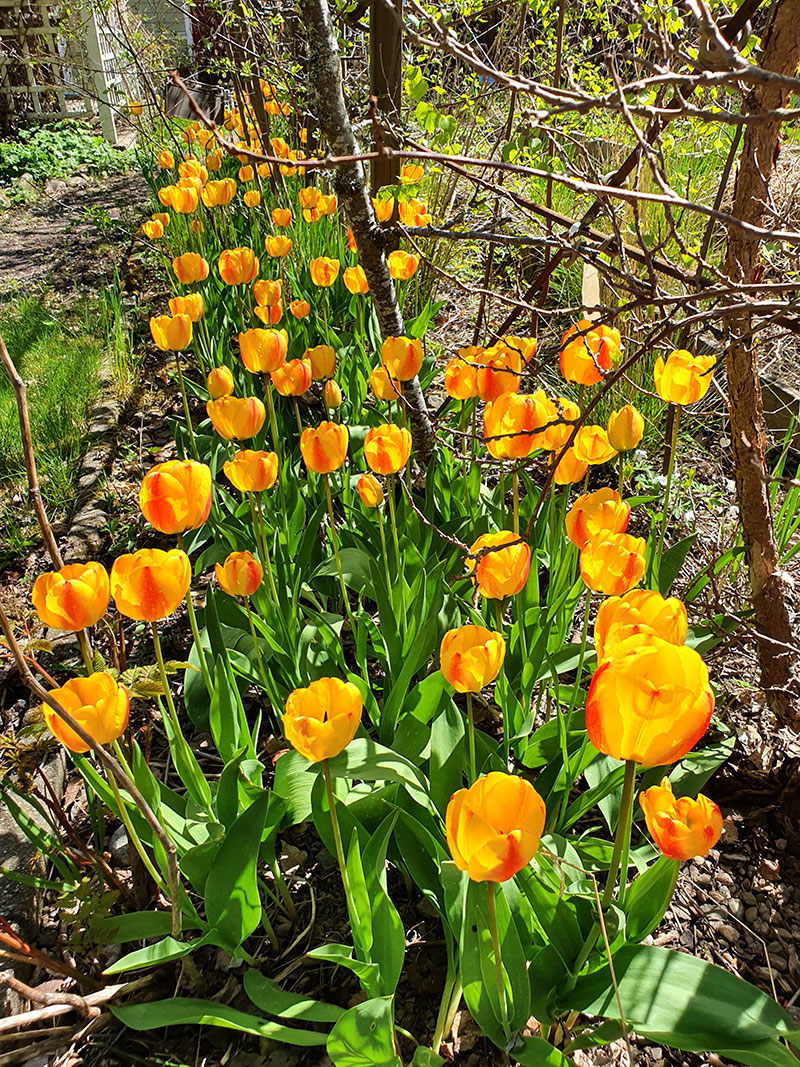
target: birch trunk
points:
(328, 104)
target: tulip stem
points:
(259, 523)
(393, 518)
(515, 489)
(491, 889)
(86, 650)
(133, 837)
(451, 996)
(500, 690)
(201, 652)
(337, 833)
(297, 415)
(621, 461)
(256, 645)
(277, 445)
(673, 445)
(164, 679)
(473, 773)
(382, 532)
(622, 838)
(186, 413)
(338, 558)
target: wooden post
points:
(386, 82)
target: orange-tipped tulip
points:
(510, 424)
(382, 385)
(268, 292)
(278, 246)
(591, 445)
(191, 304)
(459, 379)
(281, 216)
(411, 174)
(683, 378)
(651, 702)
(176, 496)
(402, 357)
(153, 230)
(557, 435)
(240, 574)
(238, 266)
(370, 491)
(252, 198)
(235, 418)
(383, 208)
(570, 469)
(218, 193)
(641, 611)
(402, 265)
(190, 268)
(503, 571)
(263, 351)
(150, 584)
(413, 213)
(293, 378)
(471, 657)
(250, 471)
(73, 598)
(625, 428)
(612, 563)
(355, 281)
(681, 828)
(324, 447)
(587, 351)
(324, 271)
(171, 333)
(322, 719)
(593, 513)
(97, 703)
(387, 448)
(219, 382)
(494, 827)
(498, 373)
(270, 316)
(323, 361)
(300, 308)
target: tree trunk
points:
(328, 104)
(777, 640)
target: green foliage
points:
(57, 151)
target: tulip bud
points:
(471, 657)
(72, 598)
(370, 490)
(650, 703)
(332, 395)
(176, 496)
(494, 827)
(625, 428)
(150, 584)
(681, 828)
(96, 703)
(240, 574)
(322, 719)
(323, 361)
(501, 572)
(219, 382)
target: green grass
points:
(59, 359)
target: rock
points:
(119, 848)
(55, 187)
(26, 188)
(730, 933)
(750, 915)
(737, 908)
(5, 200)
(77, 181)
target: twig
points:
(63, 1007)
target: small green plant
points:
(57, 151)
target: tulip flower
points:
(525, 346)
(650, 703)
(281, 216)
(192, 168)
(324, 447)
(557, 435)
(591, 446)
(625, 428)
(238, 266)
(641, 611)
(252, 472)
(471, 657)
(214, 161)
(277, 247)
(324, 271)
(503, 571)
(383, 208)
(370, 491)
(150, 584)
(326, 205)
(570, 469)
(300, 308)
(387, 448)
(184, 199)
(322, 719)
(459, 379)
(494, 827)
(355, 281)
(171, 333)
(97, 703)
(190, 304)
(332, 394)
(498, 373)
(236, 419)
(240, 574)
(218, 193)
(176, 496)
(323, 361)
(165, 159)
(509, 425)
(411, 174)
(263, 351)
(268, 292)
(219, 382)
(252, 198)
(246, 174)
(162, 217)
(382, 385)
(190, 268)
(153, 230)
(402, 265)
(683, 378)
(309, 196)
(293, 378)
(681, 828)
(270, 316)
(587, 351)
(593, 513)
(612, 563)
(413, 213)
(402, 357)
(72, 598)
